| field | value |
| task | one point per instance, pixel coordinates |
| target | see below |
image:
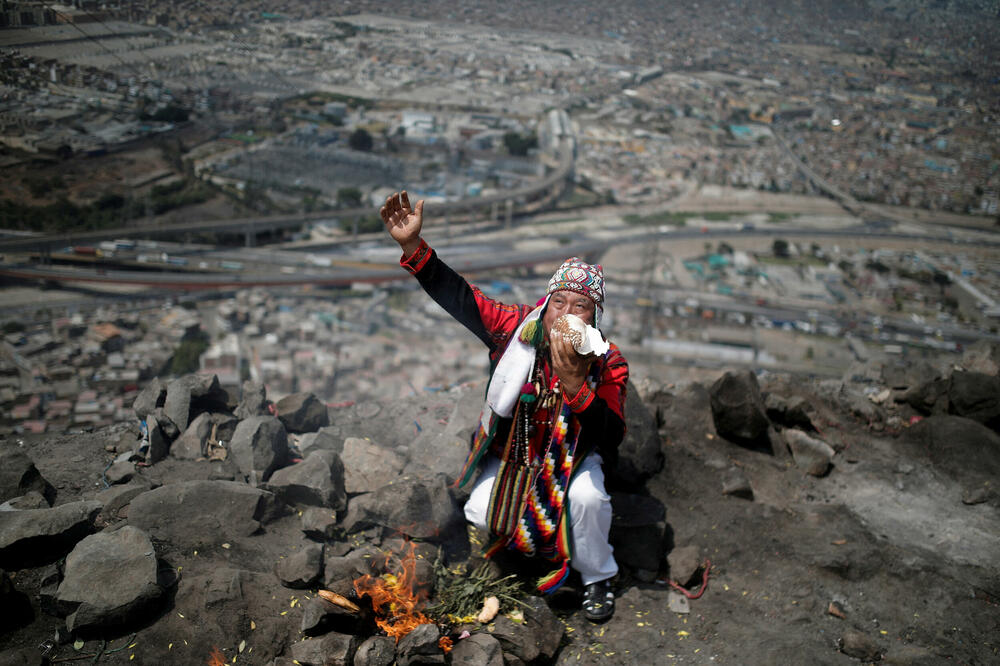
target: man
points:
(551, 418)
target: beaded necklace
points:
(536, 397)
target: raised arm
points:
(491, 321)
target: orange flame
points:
(216, 658)
(396, 598)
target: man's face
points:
(568, 302)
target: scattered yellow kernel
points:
(253, 625)
(226, 546)
(883, 632)
(180, 615)
(683, 633)
(133, 645)
(170, 646)
(283, 613)
(243, 646)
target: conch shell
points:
(586, 340)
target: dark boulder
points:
(419, 508)
(260, 444)
(37, 537)
(316, 481)
(196, 514)
(110, 582)
(738, 408)
(639, 455)
(18, 475)
(976, 396)
(302, 412)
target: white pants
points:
(589, 507)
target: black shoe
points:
(598, 601)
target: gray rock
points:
(547, 628)
(684, 563)
(316, 481)
(368, 466)
(253, 401)
(151, 397)
(191, 444)
(110, 581)
(793, 412)
(198, 514)
(36, 537)
(976, 396)
(684, 415)
(120, 472)
(18, 475)
(116, 498)
(377, 651)
(326, 439)
(340, 572)
(259, 444)
(420, 646)
(637, 530)
(319, 523)
(331, 650)
(169, 428)
(735, 482)
(159, 443)
(419, 508)
(29, 500)
(515, 639)
(860, 646)
(302, 568)
(302, 412)
(812, 455)
(477, 650)
(639, 455)
(738, 408)
(191, 395)
(678, 603)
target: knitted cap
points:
(582, 278)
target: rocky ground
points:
(836, 521)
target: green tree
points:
(187, 355)
(519, 144)
(360, 139)
(349, 196)
(780, 248)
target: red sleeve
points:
(614, 379)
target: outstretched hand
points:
(403, 222)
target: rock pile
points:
(211, 528)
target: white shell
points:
(585, 339)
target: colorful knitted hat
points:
(582, 278)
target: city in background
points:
(193, 187)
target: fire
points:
(396, 598)
(216, 658)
